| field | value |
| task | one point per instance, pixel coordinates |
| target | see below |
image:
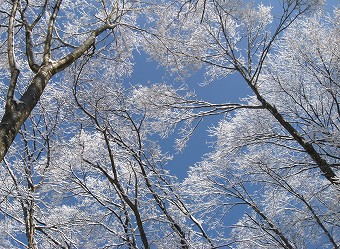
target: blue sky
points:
(225, 90)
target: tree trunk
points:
(16, 112)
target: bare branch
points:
(50, 29)
(11, 56)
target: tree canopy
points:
(82, 158)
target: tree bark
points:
(16, 112)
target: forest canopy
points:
(82, 146)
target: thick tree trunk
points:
(16, 112)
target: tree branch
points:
(11, 57)
(50, 28)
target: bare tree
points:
(276, 152)
(228, 39)
(82, 161)
(45, 38)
